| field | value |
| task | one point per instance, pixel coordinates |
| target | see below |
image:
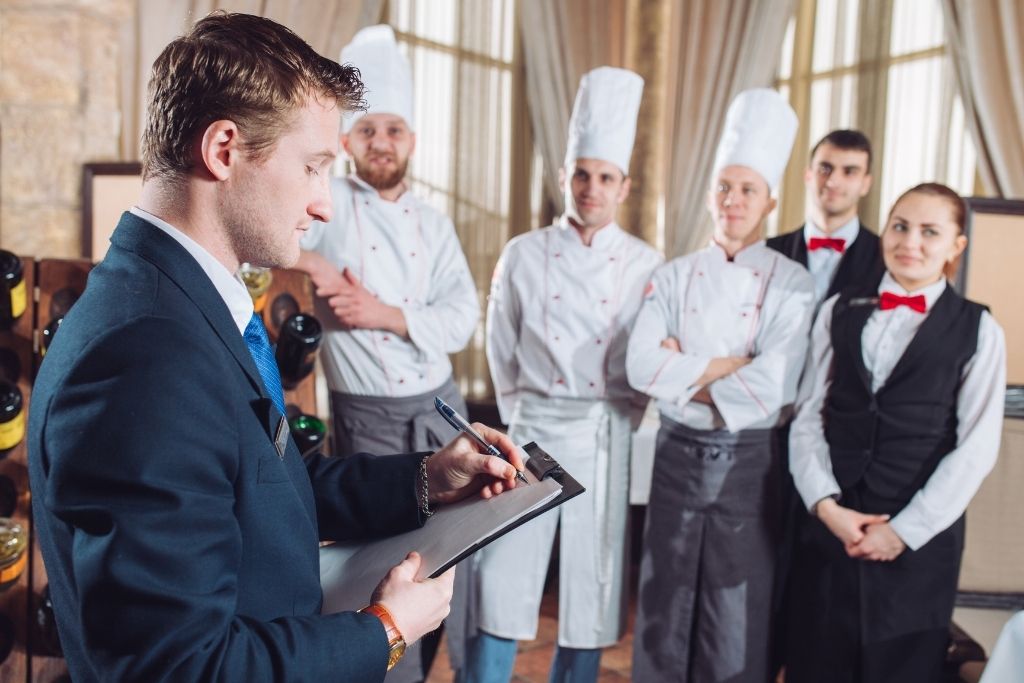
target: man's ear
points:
(344, 145)
(866, 186)
(624, 190)
(220, 148)
(561, 179)
(412, 143)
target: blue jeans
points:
(490, 659)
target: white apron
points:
(591, 440)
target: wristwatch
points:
(396, 642)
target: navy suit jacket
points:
(861, 264)
(179, 545)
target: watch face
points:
(395, 653)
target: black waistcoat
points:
(888, 443)
(861, 265)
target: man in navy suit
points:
(178, 523)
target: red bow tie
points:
(888, 301)
(833, 243)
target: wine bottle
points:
(12, 416)
(297, 343)
(309, 433)
(48, 333)
(13, 558)
(12, 289)
(45, 640)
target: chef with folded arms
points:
(562, 302)
(720, 342)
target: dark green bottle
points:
(309, 433)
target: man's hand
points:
(672, 344)
(356, 307)
(880, 543)
(847, 525)
(417, 606)
(460, 470)
(327, 279)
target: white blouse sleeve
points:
(651, 369)
(809, 460)
(447, 320)
(954, 482)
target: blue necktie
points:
(263, 354)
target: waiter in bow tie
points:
(833, 244)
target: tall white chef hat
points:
(385, 72)
(603, 122)
(760, 127)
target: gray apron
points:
(384, 425)
(703, 613)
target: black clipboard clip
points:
(540, 463)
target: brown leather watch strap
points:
(396, 642)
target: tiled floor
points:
(534, 660)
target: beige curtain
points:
(562, 40)
(327, 25)
(986, 39)
(719, 49)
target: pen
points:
(460, 423)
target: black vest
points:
(888, 444)
(860, 266)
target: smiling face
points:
(268, 204)
(593, 191)
(380, 146)
(836, 180)
(921, 239)
(739, 200)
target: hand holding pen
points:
(462, 424)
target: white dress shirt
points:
(559, 314)
(823, 263)
(885, 338)
(757, 305)
(408, 255)
(229, 285)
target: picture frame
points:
(989, 267)
(108, 189)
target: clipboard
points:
(349, 572)
(542, 466)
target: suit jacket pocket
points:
(271, 470)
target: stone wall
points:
(59, 108)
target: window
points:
(466, 72)
(880, 67)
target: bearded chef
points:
(393, 290)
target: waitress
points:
(720, 341)
(900, 426)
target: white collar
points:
(848, 231)
(229, 285)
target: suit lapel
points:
(798, 247)
(859, 266)
(154, 245)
